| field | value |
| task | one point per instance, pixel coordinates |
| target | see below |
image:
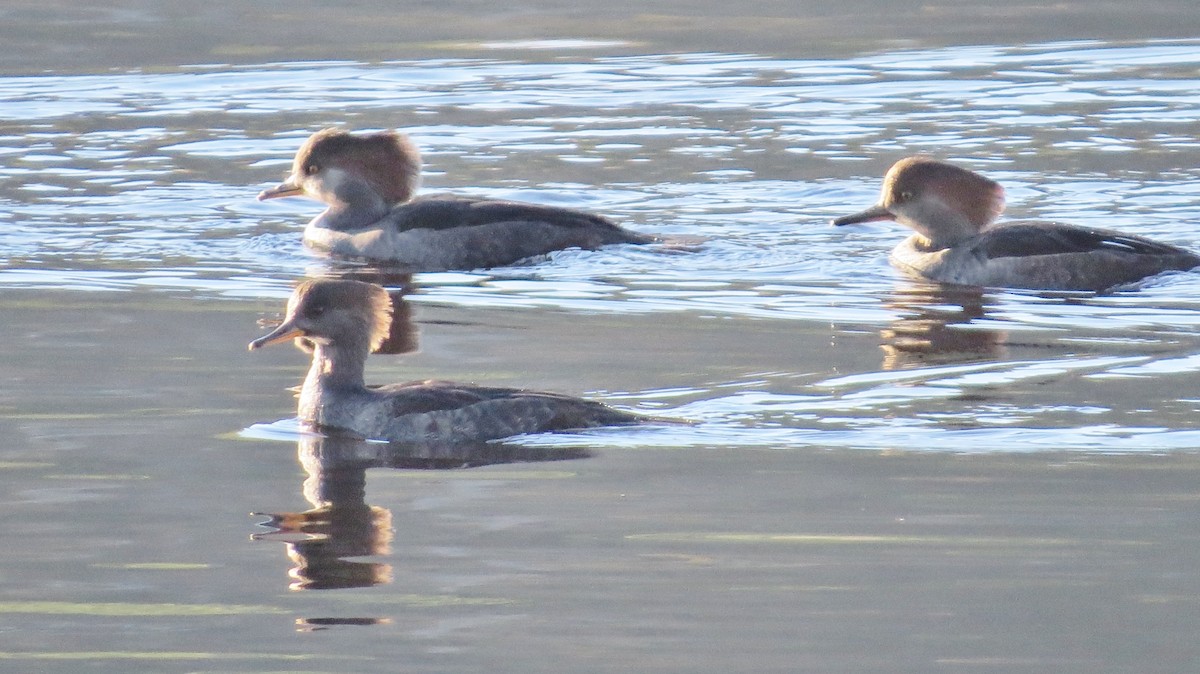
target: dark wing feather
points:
(433, 396)
(491, 408)
(448, 211)
(1024, 240)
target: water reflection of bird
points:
(403, 336)
(932, 328)
(341, 525)
(368, 183)
(953, 211)
(341, 321)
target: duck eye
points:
(310, 169)
(315, 311)
(906, 195)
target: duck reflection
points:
(324, 540)
(934, 328)
(402, 336)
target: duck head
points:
(944, 203)
(348, 171)
(338, 313)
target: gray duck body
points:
(1043, 256)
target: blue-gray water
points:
(882, 475)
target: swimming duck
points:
(953, 211)
(368, 183)
(341, 321)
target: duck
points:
(368, 183)
(340, 321)
(954, 210)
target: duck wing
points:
(1051, 238)
(431, 395)
(440, 212)
(449, 410)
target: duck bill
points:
(283, 189)
(281, 334)
(872, 214)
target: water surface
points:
(881, 474)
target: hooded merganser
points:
(340, 322)
(953, 211)
(368, 183)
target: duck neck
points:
(356, 205)
(938, 225)
(336, 371)
(337, 366)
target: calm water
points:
(881, 475)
